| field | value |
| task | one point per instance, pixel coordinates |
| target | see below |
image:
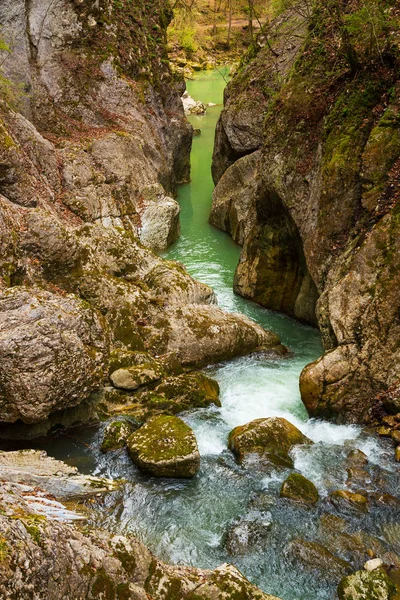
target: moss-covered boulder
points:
(170, 396)
(364, 585)
(116, 434)
(299, 488)
(166, 447)
(190, 390)
(270, 438)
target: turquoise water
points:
(189, 522)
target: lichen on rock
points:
(166, 447)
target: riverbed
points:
(194, 521)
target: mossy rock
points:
(364, 585)
(166, 447)
(123, 359)
(191, 390)
(273, 437)
(116, 434)
(227, 583)
(299, 488)
(134, 377)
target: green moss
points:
(5, 550)
(367, 586)
(128, 561)
(103, 586)
(297, 487)
(31, 524)
(116, 434)
(162, 438)
(123, 591)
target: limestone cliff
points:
(306, 163)
(90, 153)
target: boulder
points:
(96, 564)
(202, 335)
(53, 349)
(193, 107)
(132, 378)
(180, 393)
(364, 585)
(171, 396)
(272, 437)
(296, 487)
(166, 447)
(116, 434)
(159, 218)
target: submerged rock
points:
(272, 437)
(244, 535)
(297, 487)
(314, 556)
(346, 501)
(166, 447)
(116, 434)
(365, 585)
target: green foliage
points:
(369, 29)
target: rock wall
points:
(306, 163)
(90, 154)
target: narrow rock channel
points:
(228, 513)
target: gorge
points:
(97, 327)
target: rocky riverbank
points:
(93, 143)
(306, 161)
(88, 168)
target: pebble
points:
(375, 563)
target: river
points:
(187, 521)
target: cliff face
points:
(310, 186)
(89, 157)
